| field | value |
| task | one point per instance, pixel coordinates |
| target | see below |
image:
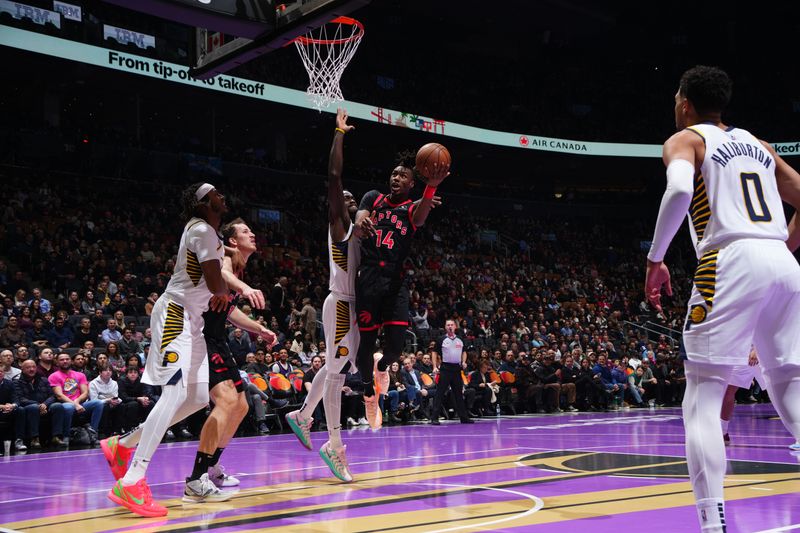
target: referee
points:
(449, 357)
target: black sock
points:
(202, 462)
(369, 390)
(216, 456)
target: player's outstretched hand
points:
(436, 202)
(437, 174)
(218, 303)
(657, 277)
(341, 120)
(254, 296)
(269, 337)
(366, 228)
(752, 360)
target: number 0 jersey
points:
(735, 193)
(343, 260)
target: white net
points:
(325, 52)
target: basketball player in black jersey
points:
(225, 383)
(388, 223)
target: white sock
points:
(314, 395)
(131, 438)
(711, 515)
(332, 400)
(705, 449)
(784, 392)
(724, 424)
(173, 398)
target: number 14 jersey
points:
(394, 230)
(735, 192)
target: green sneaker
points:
(300, 427)
(336, 461)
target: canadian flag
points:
(215, 40)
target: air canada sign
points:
(559, 145)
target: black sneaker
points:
(467, 421)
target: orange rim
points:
(305, 39)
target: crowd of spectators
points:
(562, 301)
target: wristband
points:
(429, 192)
(340, 130)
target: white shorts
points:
(178, 345)
(745, 293)
(742, 376)
(341, 332)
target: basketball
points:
(429, 155)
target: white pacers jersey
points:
(187, 286)
(344, 258)
(735, 194)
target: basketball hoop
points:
(326, 52)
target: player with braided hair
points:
(387, 223)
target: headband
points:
(203, 190)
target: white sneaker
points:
(336, 461)
(204, 490)
(363, 421)
(351, 422)
(19, 445)
(300, 427)
(220, 478)
(795, 447)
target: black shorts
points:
(222, 365)
(380, 300)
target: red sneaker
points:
(136, 498)
(117, 455)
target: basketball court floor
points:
(586, 472)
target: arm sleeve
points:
(368, 200)
(204, 242)
(674, 206)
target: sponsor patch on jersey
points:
(170, 357)
(697, 314)
(342, 351)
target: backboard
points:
(259, 26)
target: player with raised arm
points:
(338, 314)
(747, 283)
(178, 360)
(388, 222)
(225, 384)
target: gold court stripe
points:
(561, 508)
(588, 504)
(109, 518)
